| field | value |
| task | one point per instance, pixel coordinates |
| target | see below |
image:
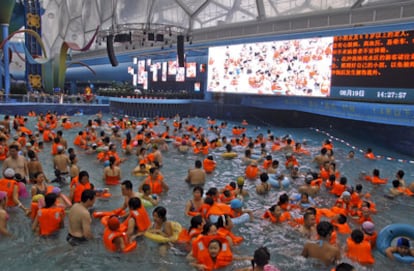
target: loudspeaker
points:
(110, 50)
(151, 36)
(180, 50)
(159, 37)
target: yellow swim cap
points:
(240, 180)
(37, 197)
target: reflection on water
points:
(28, 252)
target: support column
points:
(6, 58)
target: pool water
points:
(25, 251)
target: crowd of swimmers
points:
(209, 240)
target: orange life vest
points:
(372, 239)
(225, 232)
(7, 186)
(360, 253)
(251, 172)
(156, 185)
(285, 216)
(109, 237)
(50, 219)
(219, 209)
(209, 165)
(224, 257)
(3, 152)
(79, 188)
(142, 220)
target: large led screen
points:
(290, 67)
(372, 66)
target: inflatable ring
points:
(240, 219)
(162, 239)
(146, 203)
(236, 220)
(229, 155)
(275, 183)
(389, 233)
(100, 214)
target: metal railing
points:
(48, 98)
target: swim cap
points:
(9, 173)
(113, 223)
(240, 180)
(309, 177)
(345, 194)
(56, 190)
(60, 148)
(3, 195)
(235, 204)
(106, 163)
(37, 197)
(403, 242)
(368, 227)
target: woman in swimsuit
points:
(193, 206)
(39, 187)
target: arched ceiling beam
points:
(184, 7)
(261, 14)
(196, 12)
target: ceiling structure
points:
(205, 20)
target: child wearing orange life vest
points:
(267, 163)
(196, 226)
(359, 250)
(369, 154)
(50, 218)
(224, 226)
(340, 224)
(227, 196)
(375, 178)
(291, 161)
(116, 240)
(339, 188)
(216, 255)
(276, 215)
(370, 235)
(138, 220)
(209, 164)
(252, 171)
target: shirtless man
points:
(80, 219)
(61, 161)
(17, 162)
(128, 193)
(62, 141)
(157, 155)
(308, 188)
(308, 229)
(321, 158)
(322, 249)
(197, 175)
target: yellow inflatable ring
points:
(229, 155)
(162, 239)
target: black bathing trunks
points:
(75, 241)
